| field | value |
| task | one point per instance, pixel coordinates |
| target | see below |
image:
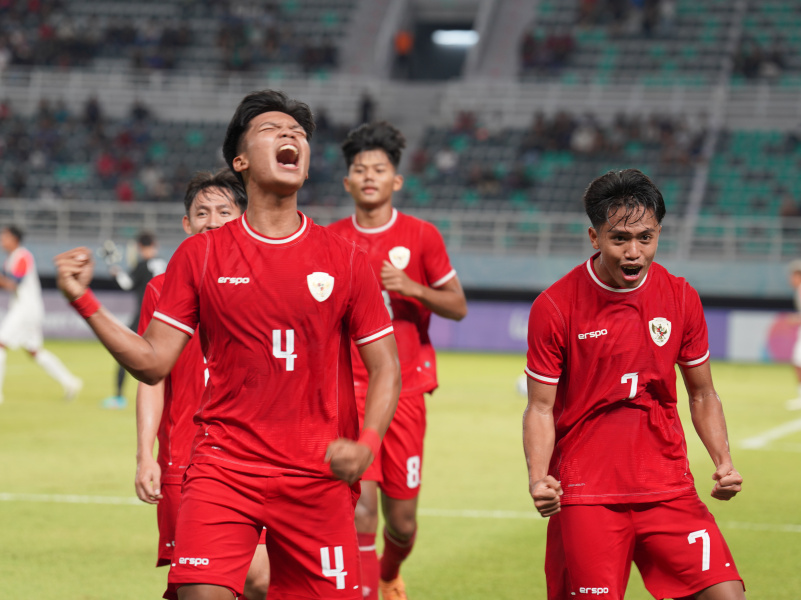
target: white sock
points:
(54, 367)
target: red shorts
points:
(167, 515)
(399, 467)
(675, 544)
(311, 539)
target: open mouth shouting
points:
(287, 156)
(631, 272)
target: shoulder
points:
(666, 279)
(341, 226)
(332, 241)
(156, 284)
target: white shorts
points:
(21, 329)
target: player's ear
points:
(346, 184)
(397, 183)
(240, 163)
(593, 237)
(185, 223)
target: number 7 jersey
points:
(275, 318)
(612, 354)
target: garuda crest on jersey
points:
(659, 328)
(320, 285)
(399, 257)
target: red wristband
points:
(369, 438)
(86, 304)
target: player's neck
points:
(274, 217)
(374, 216)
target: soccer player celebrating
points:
(606, 453)
(277, 300)
(22, 325)
(417, 279)
(165, 410)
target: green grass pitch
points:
(70, 526)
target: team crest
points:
(399, 257)
(320, 285)
(659, 329)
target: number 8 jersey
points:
(612, 354)
(275, 319)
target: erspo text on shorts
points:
(195, 562)
(595, 591)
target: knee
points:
(256, 585)
(402, 525)
(366, 517)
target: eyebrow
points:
(616, 231)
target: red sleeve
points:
(547, 332)
(367, 316)
(178, 304)
(436, 263)
(149, 302)
(21, 266)
(695, 341)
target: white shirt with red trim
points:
(417, 248)
(275, 318)
(26, 301)
(611, 354)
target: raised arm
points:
(148, 358)
(447, 301)
(539, 435)
(710, 424)
(349, 459)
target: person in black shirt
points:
(148, 266)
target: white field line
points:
(423, 512)
(763, 439)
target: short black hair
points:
(629, 189)
(255, 104)
(224, 179)
(146, 239)
(15, 231)
(374, 136)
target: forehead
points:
(376, 156)
(635, 220)
(275, 117)
(213, 196)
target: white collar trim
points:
(608, 287)
(304, 221)
(380, 229)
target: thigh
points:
(311, 540)
(217, 529)
(594, 545)
(680, 550)
(402, 450)
(166, 516)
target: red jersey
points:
(183, 391)
(276, 321)
(416, 247)
(612, 353)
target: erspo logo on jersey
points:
(234, 280)
(592, 334)
(195, 562)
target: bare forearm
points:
(382, 399)
(149, 408)
(133, 352)
(538, 441)
(448, 304)
(710, 424)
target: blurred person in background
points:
(22, 325)
(794, 272)
(148, 265)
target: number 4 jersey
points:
(275, 319)
(612, 355)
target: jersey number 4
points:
(288, 354)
